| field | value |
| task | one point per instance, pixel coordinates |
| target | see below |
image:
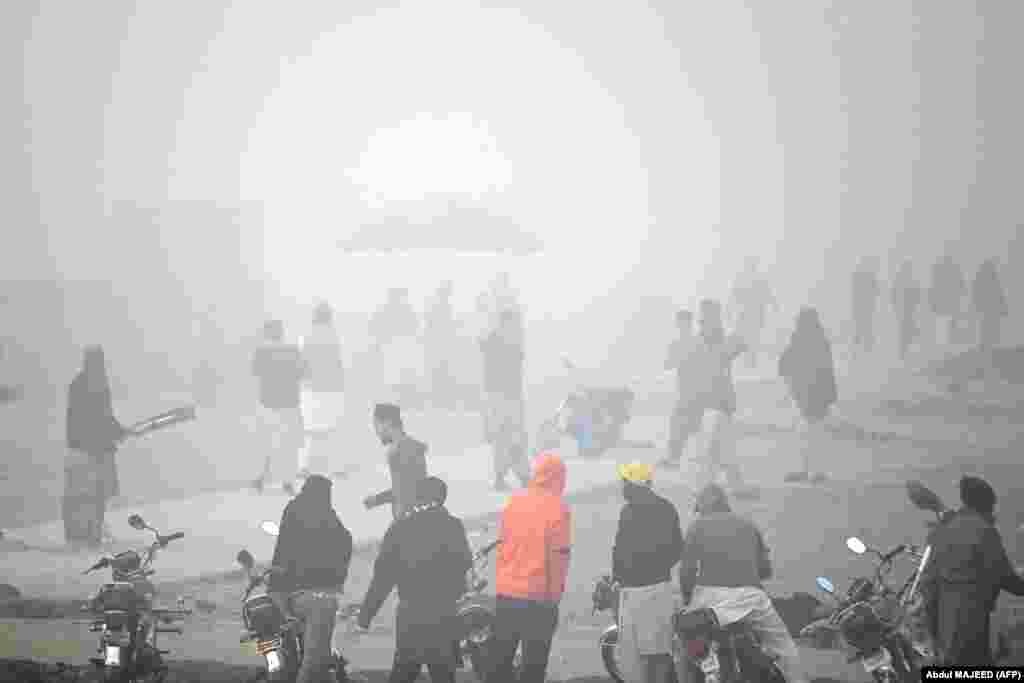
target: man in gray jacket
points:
(724, 561)
(406, 460)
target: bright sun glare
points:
(388, 111)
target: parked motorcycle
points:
(594, 416)
(125, 617)
(722, 654)
(870, 617)
(278, 637)
(606, 599)
(703, 649)
(477, 614)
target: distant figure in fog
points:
(505, 419)
(946, 298)
(323, 397)
(396, 318)
(988, 299)
(968, 571)
(93, 435)
(906, 299)
(809, 372)
(712, 379)
(439, 340)
(280, 368)
(752, 296)
(689, 410)
(865, 292)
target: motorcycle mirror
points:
(923, 497)
(245, 559)
(825, 585)
(856, 545)
(137, 523)
(270, 528)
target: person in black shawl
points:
(988, 299)
(425, 554)
(807, 367)
(963, 581)
(314, 549)
(93, 435)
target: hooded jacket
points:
(536, 537)
(407, 463)
(649, 540)
(314, 548)
(425, 555)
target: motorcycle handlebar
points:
(893, 553)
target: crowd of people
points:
(960, 314)
(425, 554)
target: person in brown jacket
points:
(406, 460)
(963, 581)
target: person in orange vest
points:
(532, 566)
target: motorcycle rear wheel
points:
(608, 644)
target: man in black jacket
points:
(648, 544)
(968, 571)
(425, 554)
(314, 549)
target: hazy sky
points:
(791, 128)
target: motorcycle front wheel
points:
(902, 671)
(609, 647)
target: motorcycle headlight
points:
(112, 656)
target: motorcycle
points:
(126, 619)
(606, 599)
(703, 650)
(884, 626)
(594, 417)
(716, 653)
(870, 618)
(476, 613)
(278, 637)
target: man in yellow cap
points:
(648, 544)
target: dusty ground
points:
(805, 526)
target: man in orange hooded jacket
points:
(532, 567)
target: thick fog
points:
(177, 173)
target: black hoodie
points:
(314, 547)
(649, 540)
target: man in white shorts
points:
(323, 393)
